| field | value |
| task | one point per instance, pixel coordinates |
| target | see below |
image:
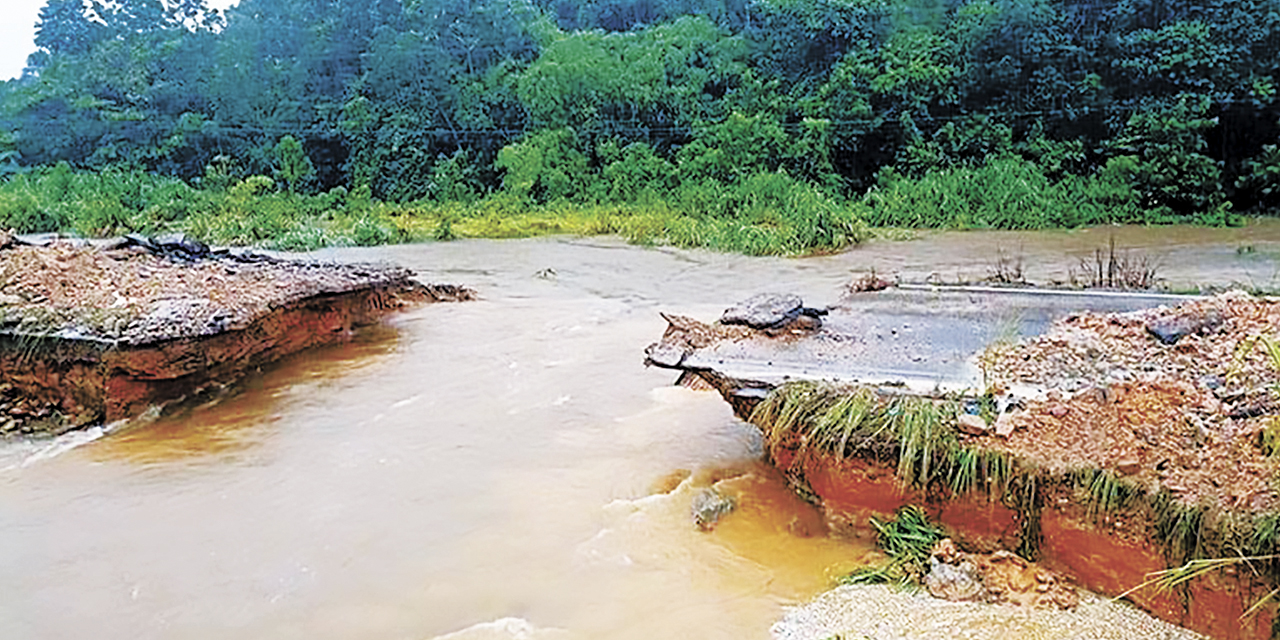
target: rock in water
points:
(764, 310)
(709, 506)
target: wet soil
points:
(130, 294)
(96, 334)
(1187, 417)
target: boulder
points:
(764, 310)
(182, 244)
(769, 311)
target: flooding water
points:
(502, 464)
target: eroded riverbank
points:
(470, 463)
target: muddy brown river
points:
(469, 468)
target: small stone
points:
(972, 424)
(1128, 466)
(1058, 410)
(955, 582)
(709, 506)
(1172, 329)
(1005, 425)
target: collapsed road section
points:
(96, 333)
(1130, 436)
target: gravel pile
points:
(876, 612)
(1173, 399)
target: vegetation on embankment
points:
(921, 439)
(771, 214)
(770, 126)
(767, 213)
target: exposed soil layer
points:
(98, 334)
(1108, 557)
(1137, 441)
(1187, 416)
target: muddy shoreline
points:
(96, 334)
(1107, 447)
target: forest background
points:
(762, 126)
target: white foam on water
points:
(24, 452)
(65, 443)
(504, 629)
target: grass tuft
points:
(908, 540)
(916, 434)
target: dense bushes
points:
(764, 126)
(768, 214)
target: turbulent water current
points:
(505, 468)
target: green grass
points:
(908, 540)
(917, 435)
(761, 213)
(774, 215)
(1105, 493)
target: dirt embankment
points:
(92, 334)
(1110, 446)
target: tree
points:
(293, 164)
(64, 28)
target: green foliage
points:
(908, 540)
(1261, 176)
(544, 167)
(633, 172)
(586, 79)
(968, 142)
(454, 178)
(1006, 192)
(1169, 168)
(738, 146)
(1143, 112)
(293, 165)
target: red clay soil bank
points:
(1177, 407)
(92, 335)
(1102, 560)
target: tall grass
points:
(908, 539)
(762, 212)
(766, 214)
(1006, 192)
